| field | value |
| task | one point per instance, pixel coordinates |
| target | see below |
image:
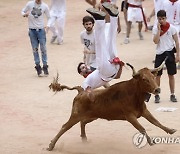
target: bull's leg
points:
(146, 114)
(133, 120)
(83, 124)
(71, 122)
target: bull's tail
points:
(55, 86)
(78, 88)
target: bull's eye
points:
(145, 80)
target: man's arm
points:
(175, 37)
(156, 37)
(118, 75)
(25, 10)
(151, 15)
(87, 51)
(119, 25)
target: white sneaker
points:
(53, 39)
(126, 40)
(140, 36)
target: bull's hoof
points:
(84, 139)
(172, 131)
(51, 147)
(150, 141)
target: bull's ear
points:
(136, 76)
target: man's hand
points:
(46, 29)
(177, 58)
(26, 14)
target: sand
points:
(31, 115)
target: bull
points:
(122, 101)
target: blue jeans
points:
(38, 36)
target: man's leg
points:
(157, 97)
(33, 34)
(42, 41)
(171, 83)
(60, 28)
(111, 43)
(51, 23)
(172, 88)
(140, 25)
(128, 31)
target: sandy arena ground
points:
(31, 115)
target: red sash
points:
(144, 18)
(164, 28)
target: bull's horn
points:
(134, 72)
(160, 67)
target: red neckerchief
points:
(173, 1)
(102, 1)
(164, 28)
(85, 76)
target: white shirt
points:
(36, 21)
(135, 2)
(88, 40)
(158, 5)
(113, 1)
(172, 12)
(166, 42)
(58, 7)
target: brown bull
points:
(121, 101)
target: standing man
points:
(165, 36)
(134, 14)
(88, 41)
(34, 11)
(57, 20)
(172, 8)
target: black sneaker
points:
(98, 15)
(45, 69)
(39, 70)
(173, 98)
(157, 99)
(147, 97)
(112, 11)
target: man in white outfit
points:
(57, 20)
(158, 5)
(106, 52)
(172, 8)
(134, 14)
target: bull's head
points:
(147, 78)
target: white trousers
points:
(57, 22)
(134, 14)
(105, 51)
